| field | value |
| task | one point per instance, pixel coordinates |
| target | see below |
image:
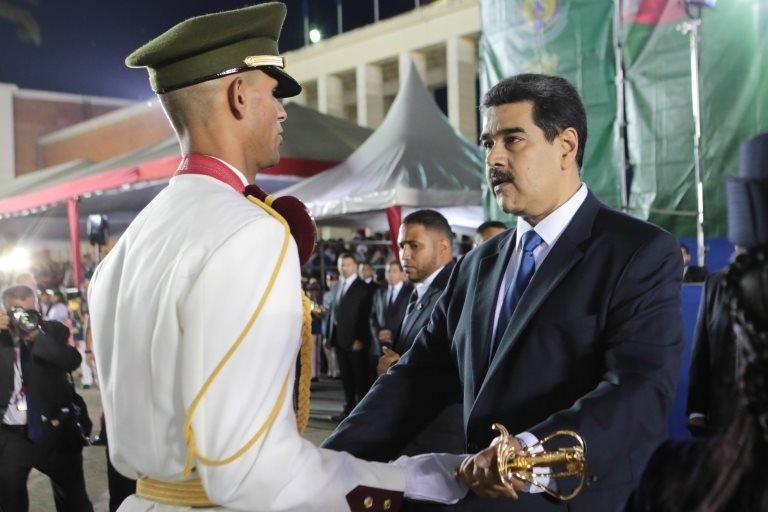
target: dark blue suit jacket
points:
(594, 346)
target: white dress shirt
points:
(549, 229)
(421, 287)
(346, 283)
(393, 292)
(15, 415)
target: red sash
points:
(291, 209)
(196, 163)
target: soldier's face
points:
(266, 117)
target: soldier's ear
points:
(236, 96)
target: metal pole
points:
(339, 21)
(376, 11)
(305, 12)
(621, 122)
(691, 28)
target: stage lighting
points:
(15, 261)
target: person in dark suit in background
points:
(426, 251)
(488, 230)
(571, 321)
(367, 274)
(350, 332)
(691, 273)
(389, 305)
(38, 425)
(712, 396)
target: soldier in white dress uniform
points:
(197, 311)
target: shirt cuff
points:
(431, 477)
(540, 474)
(696, 415)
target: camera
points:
(24, 320)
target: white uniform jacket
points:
(166, 304)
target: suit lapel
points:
(489, 276)
(560, 260)
(414, 319)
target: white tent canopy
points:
(414, 159)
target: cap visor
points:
(287, 86)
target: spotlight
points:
(315, 35)
(15, 261)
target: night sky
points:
(83, 43)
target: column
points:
(370, 95)
(330, 95)
(301, 99)
(7, 148)
(461, 71)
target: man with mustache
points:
(570, 321)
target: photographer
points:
(39, 425)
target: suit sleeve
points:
(700, 378)
(363, 327)
(374, 317)
(643, 342)
(281, 471)
(408, 397)
(52, 347)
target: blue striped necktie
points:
(527, 266)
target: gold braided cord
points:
(305, 364)
(189, 436)
(189, 493)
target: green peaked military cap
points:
(215, 45)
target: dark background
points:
(79, 46)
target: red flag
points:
(653, 12)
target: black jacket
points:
(349, 315)
(419, 317)
(712, 386)
(49, 359)
(386, 316)
(593, 346)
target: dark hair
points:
(430, 219)
(395, 262)
(557, 104)
(18, 292)
(490, 224)
(347, 255)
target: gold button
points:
(368, 502)
(387, 504)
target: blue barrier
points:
(718, 250)
(678, 420)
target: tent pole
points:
(73, 216)
(621, 122)
(691, 28)
(394, 217)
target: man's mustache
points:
(496, 177)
